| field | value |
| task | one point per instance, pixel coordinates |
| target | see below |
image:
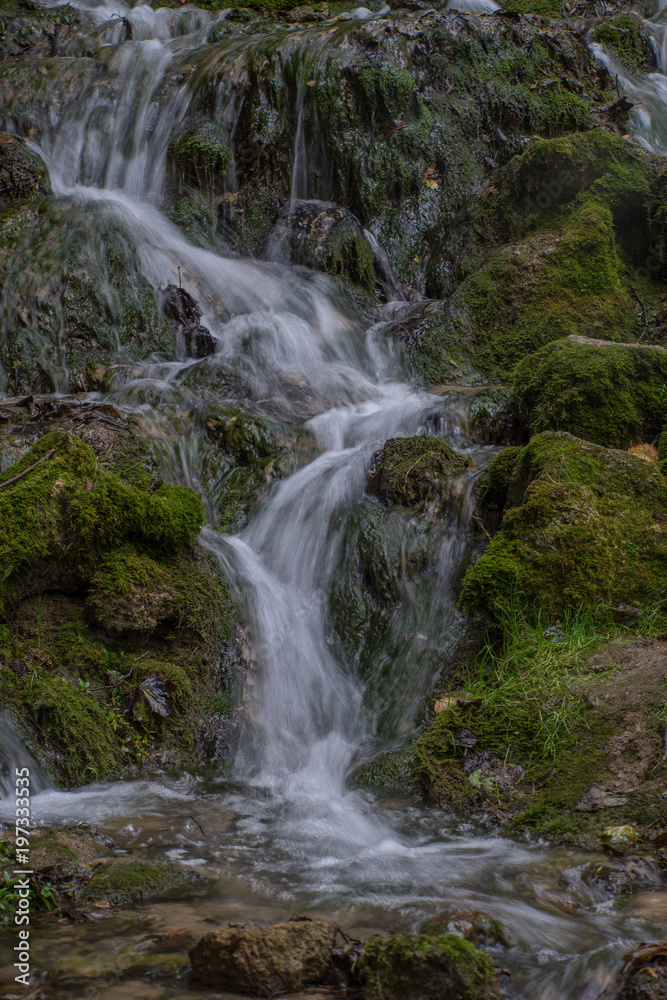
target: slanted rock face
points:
(264, 960)
(421, 967)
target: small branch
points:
(25, 472)
(199, 825)
(477, 519)
(642, 304)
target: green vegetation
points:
(413, 471)
(626, 37)
(424, 967)
(613, 395)
(581, 524)
(542, 721)
(201, 155)
(123, 883)
(115, 616)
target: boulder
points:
(613, 394)
(413, 471)
(422, 967)
(264, 960)
(580, 523)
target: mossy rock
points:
(413, 471)
(74, 297)
(130, 591)
(612, 394)
(425, 967)
(581, 523)
(549, 286)
(327, 238)
(200, 155)
(23, 174)
(124, 883)
(60, 517)
(627, 38)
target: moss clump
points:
(123, 883)
(413, 471)
(69, 510)
(424, 967)
(627, 38)
(581, 523)
(132, 592)
(201, 156)
(614, 395)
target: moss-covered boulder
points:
(612, 394)
(23, 174)
(411, 472)
(425, 967)
(327, 238)
(110, 609)
(124, 882)
(63, 511)
(580, 523)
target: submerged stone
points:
(425, 967)
(264, 960)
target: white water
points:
(293, 831)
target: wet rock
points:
(23, 174)
(472, 926)
(615, 877)
(123, 882)
(199, 342)
(423, 967)
(327, 238)
(184, 313)
(199, 156)
(307, 15)
(264, 960)
(413, 471)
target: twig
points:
(199, 825)
(477, 519)
(25, 472)
(641, 303)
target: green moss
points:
(413, 471)
(546, 288)
(613, 395)
(68, 510)
(424, 967)
(123, 883)
(201, 156)
(75, 725)
(584, 524)
(627, 38)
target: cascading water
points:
(287, 831)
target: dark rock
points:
(264, 960)
(199, 342)
(22, 174)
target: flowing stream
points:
(285, 833)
